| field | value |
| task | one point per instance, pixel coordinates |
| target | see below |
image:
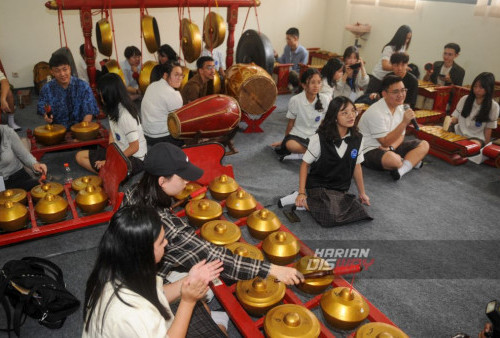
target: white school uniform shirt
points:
(128, 130)
(158, 102)
(377, 122)
(314, 150)
(307, 118)
(467, 126)
(141, 319)
(378, 71)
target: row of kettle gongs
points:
(50, 206)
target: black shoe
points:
(395, 174)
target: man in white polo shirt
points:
(383, 127)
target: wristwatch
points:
(391, 148)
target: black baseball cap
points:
(166, 159)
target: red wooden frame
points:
(254, 124)
(440, 95)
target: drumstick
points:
(337, 271)
(192, 195)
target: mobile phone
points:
(355, 66)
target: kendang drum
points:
(209, 116)
(252, 86)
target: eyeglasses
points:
(346, 113)
(397, 92)
(209, 67)
(178, 75)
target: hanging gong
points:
(150, 33)
(145, 76)
(104, 37)
(114, 67)
(256, 48)
(214, 30)
(191, 40)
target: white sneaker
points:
(293, 157)
(289, 199)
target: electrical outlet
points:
(15, 74)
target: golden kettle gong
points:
(281, 247)
(38, 192)
(201, 211)
(240, 204)
(222, 186)
(190, 188)
(85, 131)
(245, 250)
(263, 222)
(291, 320)
(13, 195)
(379, 330)
(258, 295)
(50, 134)
(51, 208)
(92, 199)
(220, 232)
(190, 40)
(145, 76)
(309, 264)
(13, 216)
(343, 308)
(82, 182)
(214, 30)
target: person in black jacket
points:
(399, 62)
(447, 72)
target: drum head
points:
(256, 48)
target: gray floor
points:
(433, 240)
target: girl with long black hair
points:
(476, 114)
(305, 112)
(332, 159)
(355, 79)
(125, 127)
(331, 74)
(124, 297)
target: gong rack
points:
(115, 170)
(85, 7)
(248, 327)
(38, 150)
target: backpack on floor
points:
(35, 287)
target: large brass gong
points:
(291, 320)
(85, 130)
(145, 76)
(50, 134)
(190, 40)
(104, 37)
(150, 33)
(114, 67)
(214, 30)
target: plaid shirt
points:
(185, 248)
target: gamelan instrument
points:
(104, 37)
(82, 182)
(92, 199)
(38, 192)
(281, 247)
(255, 47)
(209, 116)
(113, 67)
(429, 116)
(214, 30)
(245, 250)
(190, 40)
(188, 190)
(13, 216)
(375, 330)
(13, 195)
(448, 146)
(291, 320)
(262, 222)
(343, 308)
(201, 211)
(151, 33)
(50, 134)
(222, 186)
(220, 232)
(51, 208)
(240, 204)
(145, 76)
(85, 131)
(318, 272)
(493, 153)
(258, 295)
(252, 86)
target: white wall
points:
(434, 24)
(29, 31)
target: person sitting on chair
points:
(196, 87)
(167, 53)
(293, 53)
(383, 127)
(7, 102)
(446, 72)
(131, 68)
(70, 99)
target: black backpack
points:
(35, 288)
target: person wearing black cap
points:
(166, 171)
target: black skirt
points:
(331, 208)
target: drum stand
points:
(254, 124)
